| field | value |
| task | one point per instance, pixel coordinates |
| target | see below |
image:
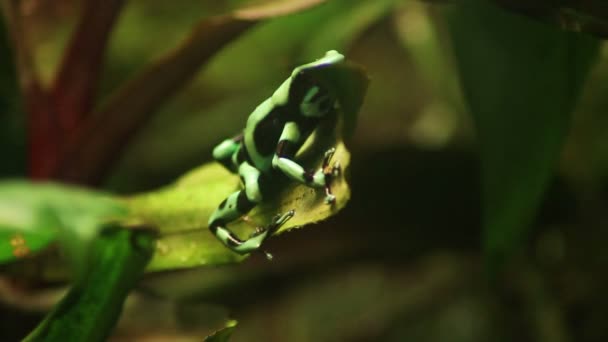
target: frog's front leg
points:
(238, 204)
(226, 152)
(283, 160)
(330, 172)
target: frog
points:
(265, 151)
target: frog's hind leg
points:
(238, 204)
(233, 207)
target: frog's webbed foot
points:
(265, 232)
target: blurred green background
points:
(479, 174)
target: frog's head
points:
(311, 97)
(331, 57)
(303, 91)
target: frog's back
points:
(262, 132)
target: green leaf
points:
(222, 335)
(115, 261)
(32, 215)
(521, 80)
(181, 212)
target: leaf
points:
(116, 259)
(32, 215)
(222, 335)
(273, 9)
(521, 80)
(181, 212)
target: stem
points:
(75, 84)
(43, 134)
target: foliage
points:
(34, 215)
(90, 310)
(133, 115)
(536, 110)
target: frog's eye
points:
(316, 102)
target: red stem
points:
(75, 85)
(43, 135)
